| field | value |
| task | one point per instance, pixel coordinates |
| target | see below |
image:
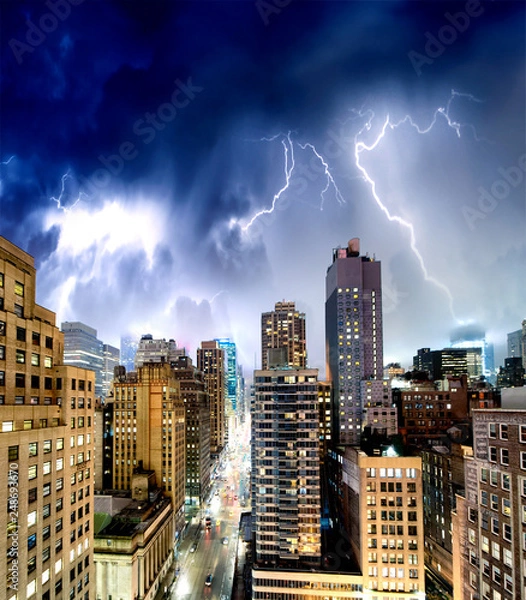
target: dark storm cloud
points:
(94, 97)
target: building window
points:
(492, 430)
(506, 507)
(32, 495)
(504, 456)
(523, 463)
(492, 454)
(19, 311)
(2, 327)
(19, 289)
(20, 334)
(20, 380)
(12, 453)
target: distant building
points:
(449, 361)
(211, 360)
(83, 349)
(150, 350)
(474, 336)
(46, 447)
(231, 374)
(111, 359)
(243, 409)
(197, 406)
(393, 371)
(511, 374)
(517, 344)
(284, 328)
(354, 336)
(129, 346)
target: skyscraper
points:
(284, 328)
(128, 350)
(149, 431)
(354, 338)
(517, 343)
(212, 362)
(286, 469)
(197, 407)
(111, 359)
(83, 349)
(231, 373)
(46, 447)
(150, 350)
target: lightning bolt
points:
(5, 162)
(67, 175)
(359, 147)
(288, 149)
(330, 178)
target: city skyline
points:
(137, 178)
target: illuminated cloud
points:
(170, 245)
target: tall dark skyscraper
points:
(354, 338)
(284, 328)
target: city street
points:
(206, 552)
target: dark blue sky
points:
(176, 122)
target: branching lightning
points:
(289, 158)
(357, 147)
(67, 175)
(330, 178)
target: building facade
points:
(286, 468)
(197, 407)
(489, 524)
(129, 346)
(111, 359)
(83, 349)
(150, 350)
(383, 516)
(212, 362)
(149, 432)
(46, 447)
(134, 549)
(354, 335)
(231, 374)
(284, 328)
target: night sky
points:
(140, 140)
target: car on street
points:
(208, 580)
(193, 547)
(224, 541)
